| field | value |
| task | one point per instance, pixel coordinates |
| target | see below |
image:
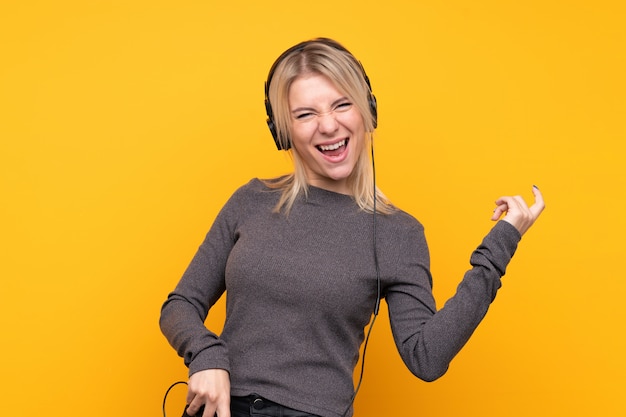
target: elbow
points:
(164, 318)
(431, 374)
(427, 365)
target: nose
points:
(327, 122)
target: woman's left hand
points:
(517, 211)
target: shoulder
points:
(253, 194)
(401, 232)
(253, 188)
(400, 221)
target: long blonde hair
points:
(328, 58)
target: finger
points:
(195, 409)
(515, 205)
(539, 204)
(505, 205)
(514, 202)
(207, 412)
(223, 409)
(190, 396)
(189, 411)
(499, 211)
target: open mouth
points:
(333, 149)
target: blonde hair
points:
(328, 58)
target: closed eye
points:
(343, 106)
(307, 113)
(304, 116)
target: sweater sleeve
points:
(427, 339)
(202, 284)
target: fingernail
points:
(534, 186)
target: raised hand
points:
(517, 212)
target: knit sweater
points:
(300, 289)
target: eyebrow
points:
(333, 104)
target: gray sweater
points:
(301, 288)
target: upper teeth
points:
(333, 147)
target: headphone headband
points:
(271, 124)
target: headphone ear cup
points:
(374, 109)
(372, 97)
(274, 132)
(270, 121)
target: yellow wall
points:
(125, 125)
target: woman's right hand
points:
(210, 388)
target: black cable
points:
(374, 238)
(168, 391)
(378, 292)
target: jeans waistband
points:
(255, 405)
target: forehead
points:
(313, 87)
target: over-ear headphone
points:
(297, 48)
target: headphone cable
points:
(378, 288)
(168, 391)
(378, 294)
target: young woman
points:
(305, 259)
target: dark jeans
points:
(255, 406)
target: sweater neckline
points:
(317, 194)
(322, 196)
(322, 191)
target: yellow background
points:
(125, 125)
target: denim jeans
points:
(255, 406)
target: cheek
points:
(301, 133)
(353, 121)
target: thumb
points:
(539, 204)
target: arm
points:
(428, 339)
(186, 308)
(184, 312)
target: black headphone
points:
(297, 48)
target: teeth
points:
(333, 147)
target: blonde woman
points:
(305, 259)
